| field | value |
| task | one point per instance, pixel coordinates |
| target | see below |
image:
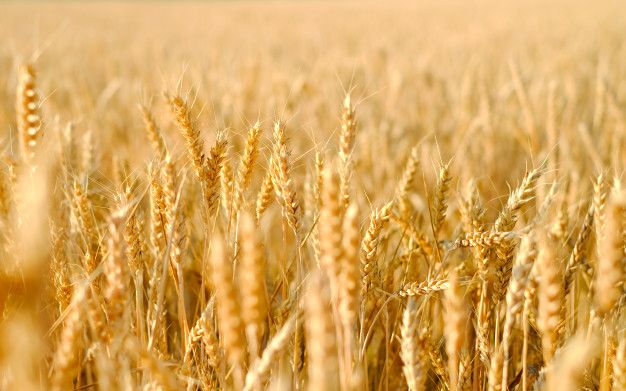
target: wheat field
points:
(313, 195)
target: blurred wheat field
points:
(313, 195)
